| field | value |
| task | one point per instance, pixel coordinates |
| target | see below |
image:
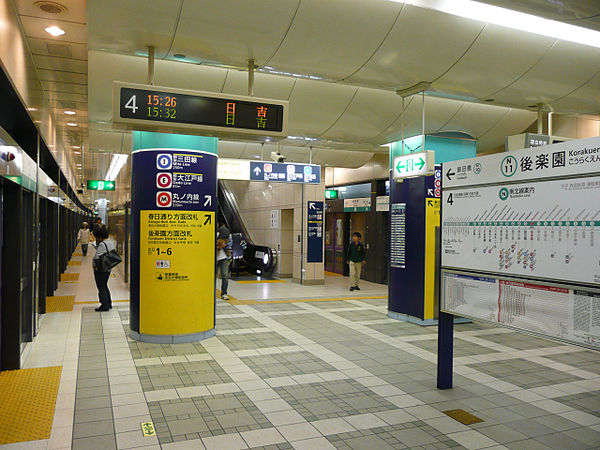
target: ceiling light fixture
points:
(116, 164)
(76, 146)
(71, 124)
(31, 109)
(55, 31)
(516, 20)
(69, 112)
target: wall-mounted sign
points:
(413, 165)
(100, 185)
(331, 194)
(151, 107)
(285, 172)
(314, 230)
(233, 169)
(357, 204)
(398, 241)
(275, 218)
(382, 203)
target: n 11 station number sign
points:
(146, 107)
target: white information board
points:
(544, 229)
(571, 158)
(559, 312)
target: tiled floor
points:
(310, 375)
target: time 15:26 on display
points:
(161, 106)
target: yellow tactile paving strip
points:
(332, 274)
(97, 302)
(463, 416)
(77, 254)
(60, 303)
(235, 301)
(69, 277)
(28, 398)
(74, 263)
(259, 281)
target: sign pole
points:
(445, 350)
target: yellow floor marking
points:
(61, 303)
(148, 429)
(259, 281)
(332, 274)
(69, 277)
(463, 416)
(235, 301)
(96, 302)
(28, 399)
(77, 254)
(74, 263)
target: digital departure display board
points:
(205, 111)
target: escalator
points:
(247, 256)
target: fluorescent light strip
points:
(482, 12)
(117, 162)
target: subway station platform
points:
(306, 368)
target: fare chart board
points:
(520, 240)
(544, 229)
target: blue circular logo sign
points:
(307, 170)
(164, 161)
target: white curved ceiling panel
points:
(422, 45)
(356, 159)
(584, 99)
(513, 122)
(412, 122)
(496, 59)
(438, 111)
(265, 86)
(131, 26)
(315, 105)
(232, 31)
(566, 67)
(475, 118)
(370, 112)
(188, 76)
(334, 37)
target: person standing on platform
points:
(356, 258)
(223, 256)
(97, 225)
(83, 237)
(103, 245)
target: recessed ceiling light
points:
(69, 112)
(76, 146)
(55, 31)
(71, 124)
(31, 109)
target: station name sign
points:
(152, 107)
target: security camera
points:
(277, 157)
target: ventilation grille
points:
(51, 7)
(63, 50)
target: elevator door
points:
(334, 243)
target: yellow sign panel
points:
(177, 272)
(148, 429)
(432, 221)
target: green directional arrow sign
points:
(413, 165)
(420, 163)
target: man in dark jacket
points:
(356, 259)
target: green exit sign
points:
(413, 165)
(100, 185)
(331, 193)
